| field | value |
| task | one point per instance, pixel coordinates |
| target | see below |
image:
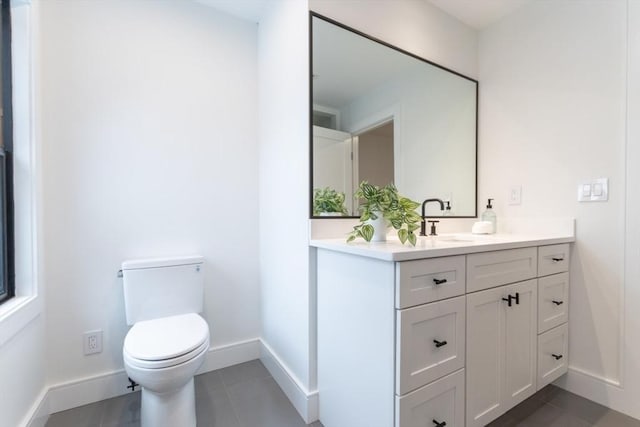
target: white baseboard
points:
(305, 402)
(91, 389)
(39, 412)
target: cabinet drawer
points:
(437, 403)
(490, 269)
(430, 342)
(553, 301)
(427, 280)
(553, 352)
(553, 259)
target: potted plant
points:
(328, 202)
(385, 206)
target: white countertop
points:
(442, 245)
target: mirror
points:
(383, 115)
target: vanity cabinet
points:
(453, 340)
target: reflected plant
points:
(328, 200)
(397, 210)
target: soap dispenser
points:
(490, 215)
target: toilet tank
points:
(161, 287)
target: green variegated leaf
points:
(412, 238)
(367, 232)
(402, 235)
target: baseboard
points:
(605, 391)
(305, 402)
(39, 412)
(91, 389)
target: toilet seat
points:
(167, 341)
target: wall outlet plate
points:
(92, 342)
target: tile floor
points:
(245, 395)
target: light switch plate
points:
(596, 190)
(515, 195)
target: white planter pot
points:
(330, 213)
(379, 228)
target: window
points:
(7, 273)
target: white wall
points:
(552, 113)
(287, 325)
(149, 131)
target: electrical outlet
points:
(92, 342)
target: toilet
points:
(168, 340)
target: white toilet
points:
(169, 339)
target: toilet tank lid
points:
(135, 264)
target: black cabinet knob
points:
(439, 281)
(557, 356)
(508, 300)
(557, 259)
(517, 298)
(439, 343)
(557, 302)
(442, 424)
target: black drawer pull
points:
(557, 356)
(439, 281)
(554, 259)
(439, 343)
(442, 424)
(508, 300)
(517, 298)
(557, 302)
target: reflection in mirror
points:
(383, 115)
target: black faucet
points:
(423, 224)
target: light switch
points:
(596, 190)
(586, 190)
(515, 195)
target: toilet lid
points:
(167, 337)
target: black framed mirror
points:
(382, 114)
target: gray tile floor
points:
(555, 407)
(245, 395)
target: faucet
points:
(423, 224)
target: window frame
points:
(7, 244)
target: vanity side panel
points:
(356, 326)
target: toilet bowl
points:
(163, 355)
(168, 341)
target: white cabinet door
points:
(553, 349)
(440, 403)
(485, 356)
(501, 350)
(489, 269)
(429, 342)
(426, 280)
(553, 301)
(521, 332)
(553, 259)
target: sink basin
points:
(461, 238)
(465, 237)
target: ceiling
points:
(477, 14)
